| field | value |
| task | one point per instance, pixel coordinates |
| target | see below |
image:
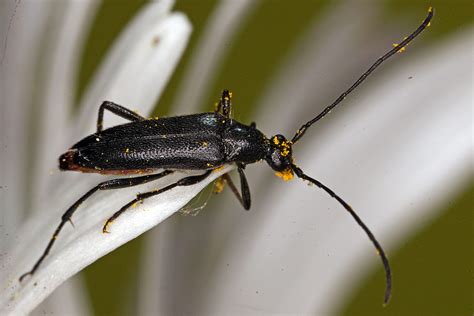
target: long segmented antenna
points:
(398, 48)
(386, 265)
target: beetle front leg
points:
(244, 196)
(106, 185)
(117, 110)
(143, 196)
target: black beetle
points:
(204, 141)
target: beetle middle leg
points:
(117, 110)
(106, 185)
(244, 195)
(143, 196)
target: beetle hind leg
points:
(118, 110)
(143, 196)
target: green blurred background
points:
(433, 268)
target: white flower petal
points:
(139, 75)
(17, 86)
(52, 83)
(71, 299)
(80, 246)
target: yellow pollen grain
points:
(401, 50)
(209, 165)
(218, 169)
(285, 152)
(286, 175)
(219, 185)
(127, 150)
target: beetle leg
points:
(106, 185)
(117, 110)
(142, 196)
(225, 105)
(243, 198)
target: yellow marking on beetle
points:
(204, 144)
(219, 185)
(286, 174)
(275, 140)
(230, 94)
(127, 150)
(209, 164)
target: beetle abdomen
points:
(186, 142)
(170, 152)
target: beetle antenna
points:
(397, 48)
(381, 252)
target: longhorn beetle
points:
(204, 141)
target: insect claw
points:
(24, 276)
(104, 229)
(72, 224)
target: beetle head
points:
(280, 157)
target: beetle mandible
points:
(204, 141)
